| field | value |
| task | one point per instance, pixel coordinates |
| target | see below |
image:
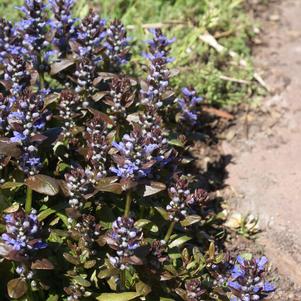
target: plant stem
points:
(129, 199)
(28, 200)
(122, 279)
(169, 231)
(42, 81)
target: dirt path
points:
(266, 169)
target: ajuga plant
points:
(97, 193)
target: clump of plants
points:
(97, 196)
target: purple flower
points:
(35, 26)
(89, 43)
(79, 183)
(183, 200)
(195, 290)
(23, 232)
(158, 77)
(18, 137)
(10, 41)
(137, 154)
(124, 238)
(247, 281)
(96, 136)
(187, 105)
(16, 72)
(117, 44)
(26, 121)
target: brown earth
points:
(265, 145)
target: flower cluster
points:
(5, 108)
(159, 74)
(10, 41)
(158, 254)
(183, 200)
(75, 292)
(120, 98)
(97, 152)
(96, 135)
(34, 30)
(17, 74)
(117, 44)
(136, 155)
(188, 104)
(124, 239)
(27, 120)
(23, 232)
(194, 290)
(247, 280)
(69, 106)
(86, 229)
(88, 46)
(65, 28)
(79, 184)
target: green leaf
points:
(63, 217)
(176, 142)
(53, 298)
(9, 185)
(106, 273)
(246, 256)
(89, 264)
(149, 225)
(17, 288)
(43, 184)
(211, 250)
(81, 281)
(118, 297)
(163, 212)
(179, 241)
(71, 259)
(45, 213)
(190, 220)
(143, 289)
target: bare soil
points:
(264, 175)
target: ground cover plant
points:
(98, 199)
(220, 78)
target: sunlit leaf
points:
(190, 220)
(17, 288)
(43, 184)
(118, 297)
(60, 66)
(153, 188)
(179, 241)
(163, 212)
(9, 185)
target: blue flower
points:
(261, 262)
(18, 137)
(234, 285)
(158, 77)
(124, 238)
(187, 105)
(117, 44)
(268, 287)
(247, 279)
(136, 155)
(23, 232)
